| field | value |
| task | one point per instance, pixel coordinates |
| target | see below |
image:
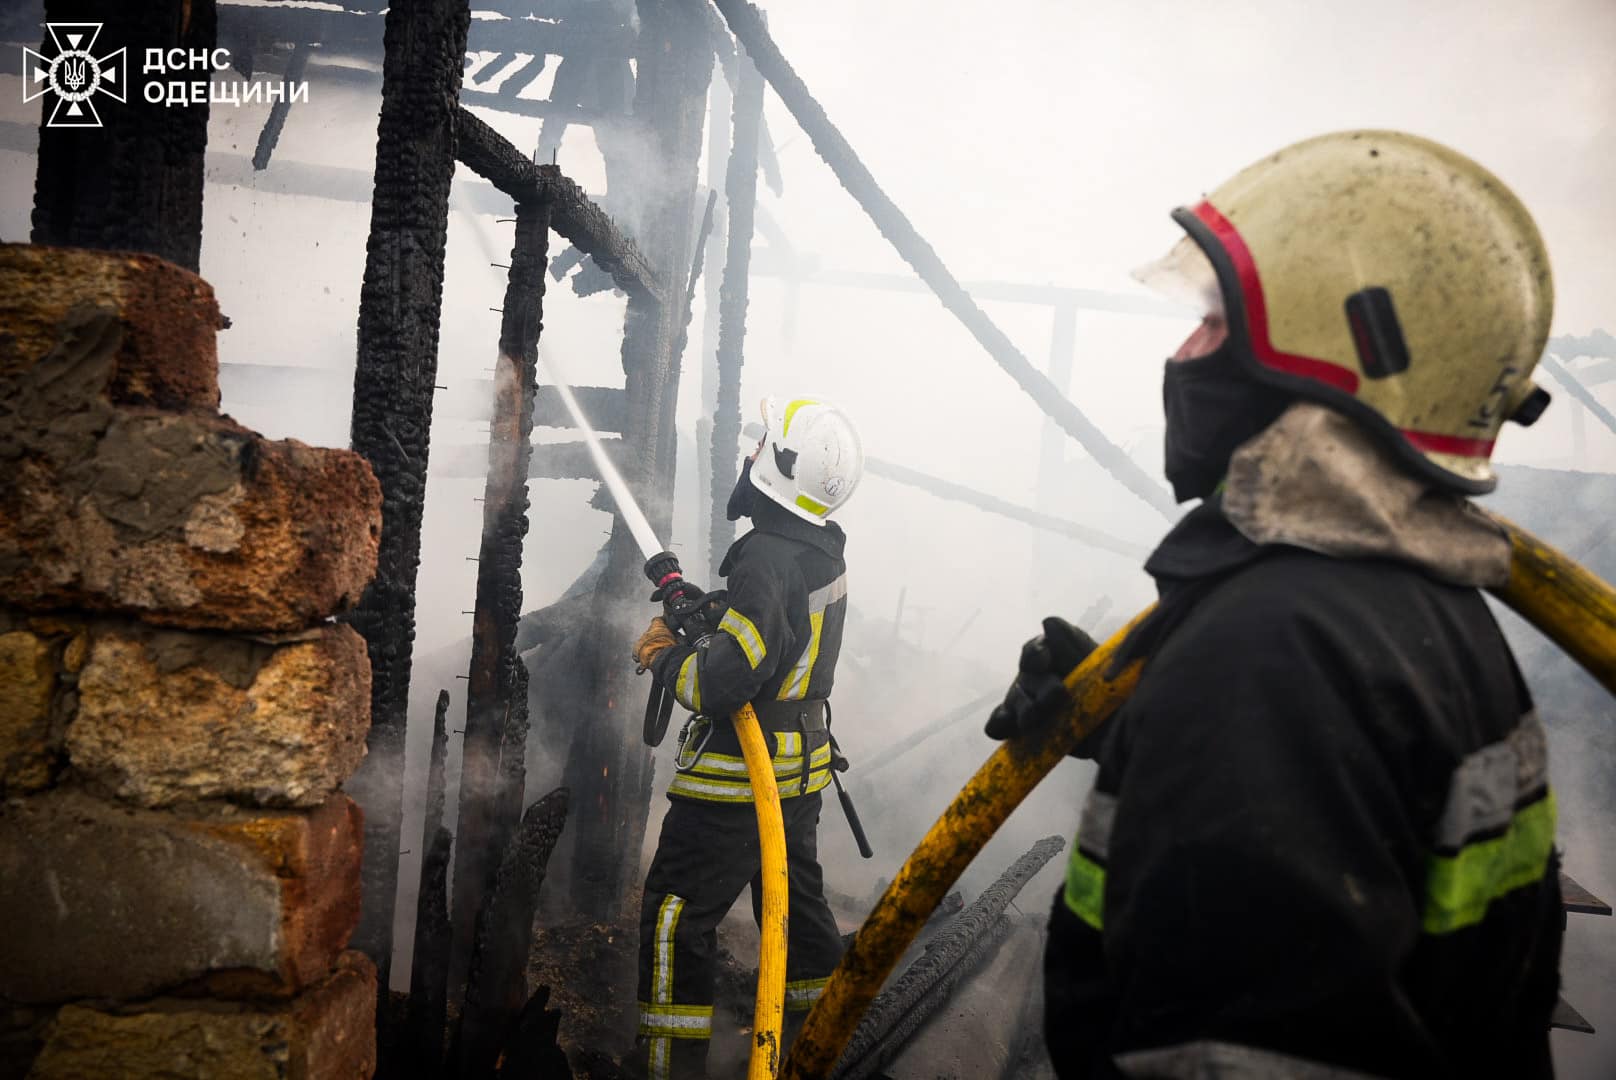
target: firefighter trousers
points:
(707, 853)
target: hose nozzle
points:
(663, 569)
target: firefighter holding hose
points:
(777, 632)
(1321, 838)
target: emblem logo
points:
(75, 75)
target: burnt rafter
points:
(746, 22)
(429, 974)
(271, 135)
(498, 984)
(572, 215)
(927, 983)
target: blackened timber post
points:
(429, 973)
(608, 767)
(718, 111)
(133, 183)
(482, 830)
(740, 191)
(397, 363)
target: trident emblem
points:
(74, 72)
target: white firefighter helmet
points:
(1386, 276)
(810, 460)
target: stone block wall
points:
(179, 869)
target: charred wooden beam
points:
(740, 192)
(491, 156)
(746, 22)
(399, 307)
(608, 766)
(497, 988)
(513, 732)
(324, 73)
(578, 219)
(134, 182)
(954, 951)
(419, 1049)
(497, 686)
(719, 107)
(271, 135)
(729, 60)
(695, 278)
(519, 79)
(568, 88)
(419, 1052)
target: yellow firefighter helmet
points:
(1392, 279)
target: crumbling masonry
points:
(179, 873)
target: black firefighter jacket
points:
(777, 642)
(1321, 836)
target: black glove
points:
(1038, 696)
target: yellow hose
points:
(1572, 607)
(975, 814)
(769, 1010)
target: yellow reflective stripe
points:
(1459, 888)
(726, 765)
(715, 790)
(740, 628)
(795, 688)
(659, 1052)
(791, 410)
(1085, 889)
(676, 1021)
(802, 993)
(662, 950)
(687, 688)
(659, 1062)
(818, 509)
(790, 745)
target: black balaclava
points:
(1212, 407)
(743, 499)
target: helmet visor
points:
(1184, 276)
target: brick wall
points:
(179, 871)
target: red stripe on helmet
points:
(1251, 295)
(1432, 442)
